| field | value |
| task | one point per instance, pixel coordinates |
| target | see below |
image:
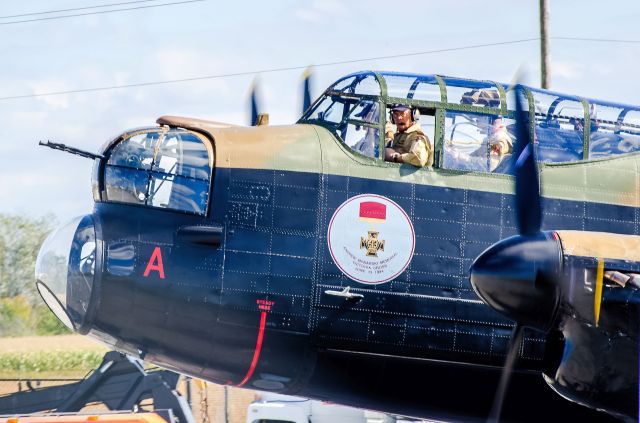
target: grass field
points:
(72, 356)
(48, 356)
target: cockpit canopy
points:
(160, 167)
(355, 109)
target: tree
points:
(22, 312)
(20, 240)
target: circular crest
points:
(371, 239)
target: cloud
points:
(568, 70)
(321, 10)
(49, 86)
(602, 69)
(179, 63)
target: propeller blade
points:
(528, 204)
(253, 100)
(306, 90)
(505, 377)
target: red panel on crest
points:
(373, 210)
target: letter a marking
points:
(155, 263)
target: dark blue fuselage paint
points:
(383, 352)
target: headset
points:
(415, 114)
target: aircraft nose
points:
(65, 270)
(518, 278)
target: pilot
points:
(499, 140)
(409, 144)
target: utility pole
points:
(226, 404)
(544, 48)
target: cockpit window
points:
(365, 111)
(612, 131)
(478, 142)
(629, 129)
(160, 168)
(361, 132)
(367, 86)
(559, 127)
(362, 84)
(182, 153)
(353, 119)
(344, 84)
(473, 93)
(332, 109)
(631, 118)
(135, 152)
(414, 87)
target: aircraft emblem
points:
(372, 244)
(387, 249)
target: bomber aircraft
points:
(296, 259)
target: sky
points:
(208, 38)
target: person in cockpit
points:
(500, 143)
(409, 144)
(499, 140)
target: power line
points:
(74, 9)
(291, 68)
(272, 70)
(100, 12)
(597, 40)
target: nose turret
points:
(65, 271)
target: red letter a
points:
(155, 256)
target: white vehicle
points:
(276, 408)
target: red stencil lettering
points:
(155, 263)
(265, 305)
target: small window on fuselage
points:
(159, 168)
